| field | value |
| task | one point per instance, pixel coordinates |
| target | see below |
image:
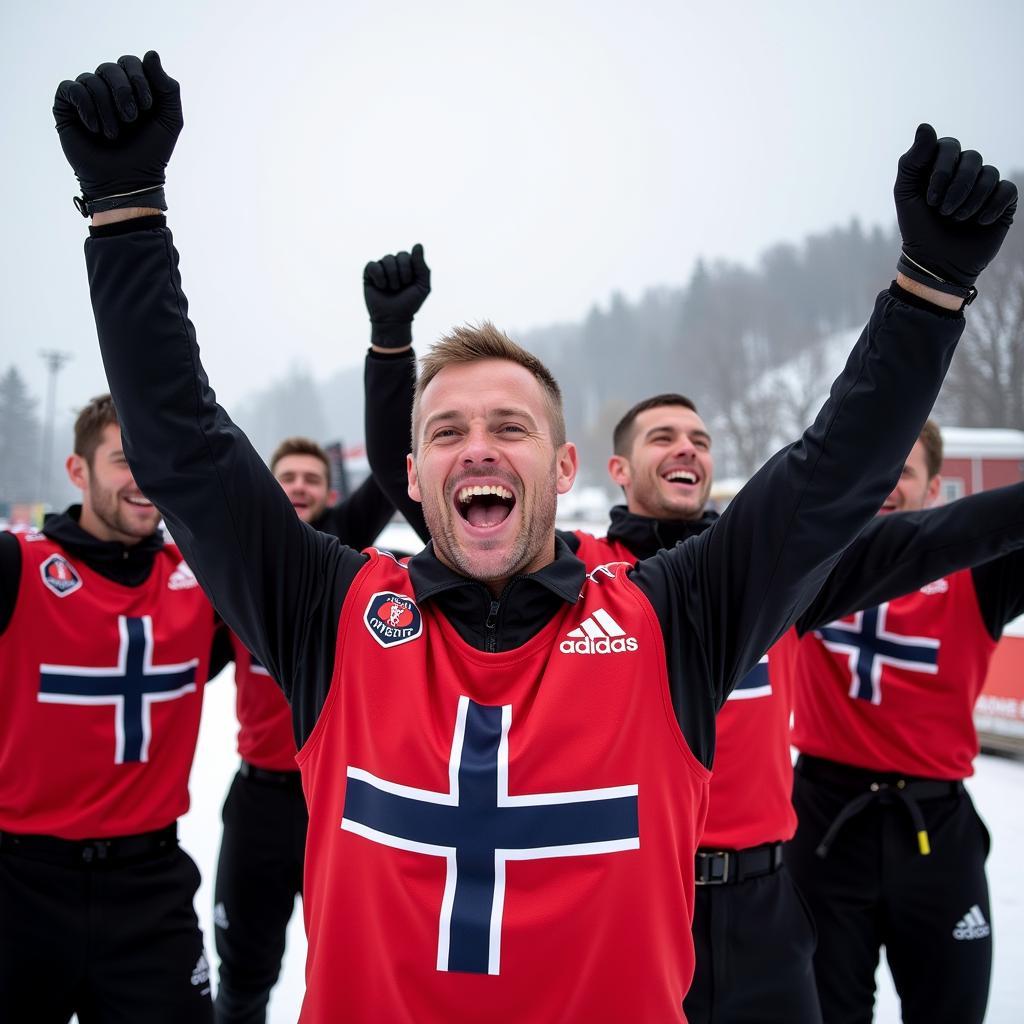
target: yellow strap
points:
(922, 843)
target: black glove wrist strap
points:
(391, 335)
(151, 197)
(922, 275)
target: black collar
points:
(525, 606)
(129, 565)
(645, 536)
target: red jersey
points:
(893, 687)
(99, 710)
(594, 551)
(265, 735)
(753, 776)
(752, 783)
(498, 836)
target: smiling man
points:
(889, 849)
(105, 645)
(753, 937)
(499, 829)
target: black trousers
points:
(259, 874)
(754, 942)
(875, 888)
(116, 942)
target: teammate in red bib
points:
(105, 645)
(889, 849)
(260, 867)
(753, 937)
(501, 825)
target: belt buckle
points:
(97, 849)
(710, 859)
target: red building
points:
(978, 460)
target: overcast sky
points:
(545, 153)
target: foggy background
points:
(664, 196)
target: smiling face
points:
(304, 479)
(668, 471)
(113, 507)
(915, 489)
(487, 471)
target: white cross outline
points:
(117, 700)
(852, 652)
(753, 692)
(451, 799)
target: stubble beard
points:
(537, 527)
(106, 506)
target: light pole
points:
(54, 362)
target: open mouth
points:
(484, 506)
(680, 477)
(139, 502)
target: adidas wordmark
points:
(598, 634)
(972, 925)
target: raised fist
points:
(394, 288)
(953, 212)
(118, 128)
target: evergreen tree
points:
(19, 440)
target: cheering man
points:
(473, 758)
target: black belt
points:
(867, 787)
(726, 867)
(90, 851)
(250, 771)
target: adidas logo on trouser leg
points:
(972, 925)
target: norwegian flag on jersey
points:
(100, 706)
(130, 686)
(893, 687)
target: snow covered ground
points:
(998, 791)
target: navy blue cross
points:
(869, 646)
(131, 686)
(755, 683)
(476, 826)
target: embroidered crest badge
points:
(393, 619)
(60, 575)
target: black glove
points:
(394, 288)
(118, 128)
(953, 213)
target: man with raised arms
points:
(478, 845)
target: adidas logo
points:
(201, 971)
(220, 912)
(183, 578)
(972, 925)
(598, 634)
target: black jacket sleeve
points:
(999, 585)
(899, 553)
(724, 597)
(390, 381)
(10, 577)
(358, 519)
(278, 583)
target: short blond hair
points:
(472, 343)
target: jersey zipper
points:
(491, 626)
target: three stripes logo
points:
(599, 633)
(972, 925)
